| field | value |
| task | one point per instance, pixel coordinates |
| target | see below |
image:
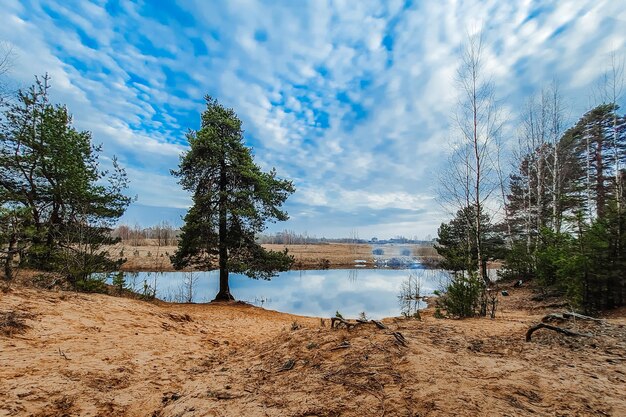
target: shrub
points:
(93, 283)
(119, 282)
(464, 296)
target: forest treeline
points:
(559, 215)
(164, 234)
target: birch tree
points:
(478, 122)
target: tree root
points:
(335, 322)
(556, 317)
(581, 317)
(566, 332)
(399, 338)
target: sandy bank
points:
(96, 355)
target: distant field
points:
(151, 257)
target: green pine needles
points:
(232, 201)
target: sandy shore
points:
(97, 355)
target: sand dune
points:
(97, 355)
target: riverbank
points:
(97, 355)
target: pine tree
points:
(457, 246)
(232, 200)
(594, 139)
(50, 172)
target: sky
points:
(352, 100)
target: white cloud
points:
(357, 127)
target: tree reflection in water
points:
(410, 297)
(353, 274)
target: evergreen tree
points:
(232, 200)
(457, 246)
(586, 260)
(593, 139)
(50, 172)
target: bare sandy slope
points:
(96, 355)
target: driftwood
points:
(335, 322)
(581, 317)
(567, 316)
(344, 345)
(566, 332)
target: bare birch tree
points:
(6, 61)
(478, 121)
(556, 110)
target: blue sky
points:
(352, 100)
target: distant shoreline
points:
(155, 258)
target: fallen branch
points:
(566, 332)
(581, 317)
(345, 344)
(379, 324)
(63, 355)
(335, 322)
(399, 338)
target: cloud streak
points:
(352, 100)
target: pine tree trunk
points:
(599, 163)
(528, 202)
(556, 179)
(588, 184)
(224, 292)
(556, 212)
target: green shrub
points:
(93, 283)
(119, 282)
(464, 296)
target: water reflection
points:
(412, 295)
(311, 293)
(353, 274)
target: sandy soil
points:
(335, 255)
(97, 355)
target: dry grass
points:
(319, 256)
(13, 322)
(332, 255)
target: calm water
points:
(376, 292)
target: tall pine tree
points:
(232, 200)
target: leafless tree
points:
(557, 123)
(6, 62)
(472, 178)
(538, 158)
(189, 286)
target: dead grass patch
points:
(13, 322)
